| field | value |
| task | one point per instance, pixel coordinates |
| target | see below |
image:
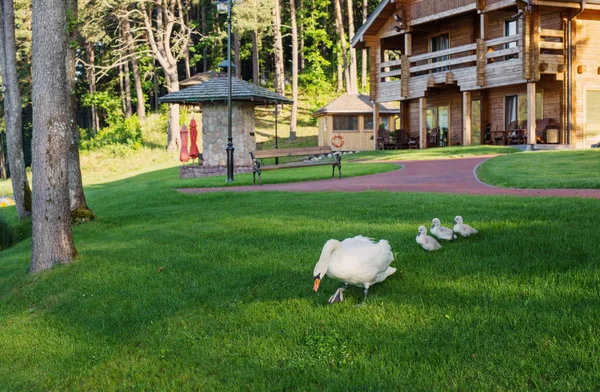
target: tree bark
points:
(363, 75)
(92, 83)
(78, 204)
(340, 69)
(255, 64)
(159, 25)
(2, 158)
(353, 78)
(12, 110)
(293, 119)
(236, 55)
(339, 24)
(121, 87)
(278, 50)
(127, 87)
(204, 48)
(52, 237)
(141, 100)
(301, 61)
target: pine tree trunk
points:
(342, 34)
(78, 204)
(121, 87)
(141, 100)
(92, 83)
(174, 142)
(204, 48)
(294, 114)
(363, 76)
(340, 70)
(2, 158)
(52, 238)
(278, 50)
(12, 110)
(255, 64)
(127, 87)
(301, 38)
(353, 78)
(236, 55)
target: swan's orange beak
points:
(316, 286)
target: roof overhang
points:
(374, 22)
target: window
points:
(515, 108)
(510, 28)
(438, 43)
(345, 123)
(368, 123)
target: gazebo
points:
(212, 96)
(350, 121)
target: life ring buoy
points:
(337, 140)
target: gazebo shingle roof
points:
(216, 90)
(355, 103)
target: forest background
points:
(130, 53)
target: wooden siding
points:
(424, 8)
(587, 55)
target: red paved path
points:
(443, 176)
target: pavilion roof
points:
(355, 104)
(215, 89)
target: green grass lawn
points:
(213, 292)
(579, 169)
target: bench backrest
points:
(291, 152)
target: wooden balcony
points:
(484, 64)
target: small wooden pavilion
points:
(347, 124)
(212, 96)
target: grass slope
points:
(578, 169)
(213, 292)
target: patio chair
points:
(512, 133)
(433, 138)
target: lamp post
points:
(224, 7)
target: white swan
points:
(357, 261)
(428, 243)
(462, 228)
(441, 232)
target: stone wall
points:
(214, 133)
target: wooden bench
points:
(258, 156)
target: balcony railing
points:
(469, 64)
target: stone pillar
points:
(214, 133)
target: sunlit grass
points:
(544, 169)
(176, 292)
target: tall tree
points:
(127, 87)
(78, 204)
(278, 50)
(353, 88)
(12, 110)
(52, 237)
(363, 75)
(168, 37)
(255, 17)
(294, 114)
(91, 77)
(236, 54)
(135, 68)
(339, 24)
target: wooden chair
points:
(433, 138)
(512, 133)
(401, 139)
(413, 143)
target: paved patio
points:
(441, 176)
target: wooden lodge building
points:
(487, 71)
